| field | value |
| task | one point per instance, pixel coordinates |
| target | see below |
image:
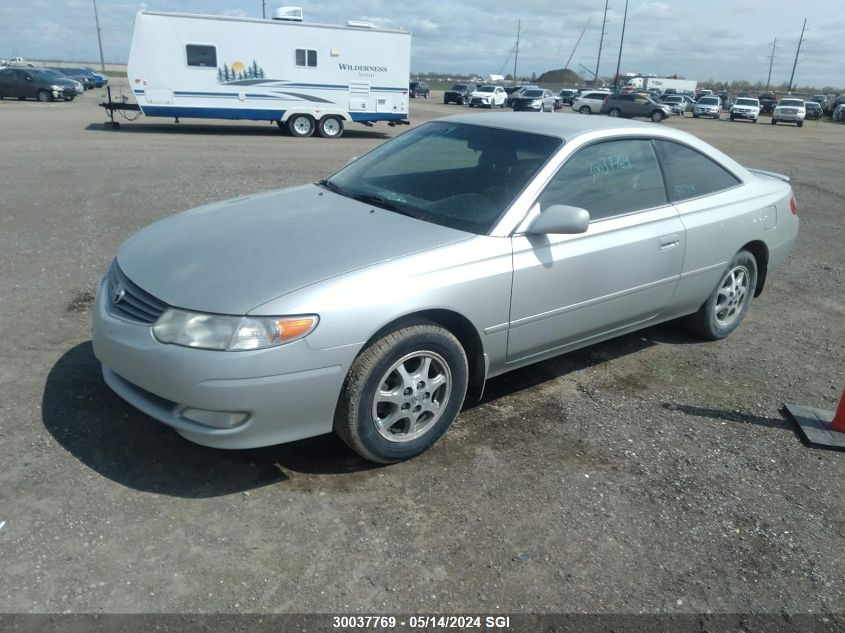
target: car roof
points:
(563, 126)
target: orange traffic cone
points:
(820, 426)
(838, 423)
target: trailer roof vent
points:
(288, 14)
(360, 24)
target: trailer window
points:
(201, 55)
(306, 57)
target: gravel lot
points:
(653, 473)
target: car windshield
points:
(459, 87)
(532, 93)
(486, 89)
(453, 174)
(747, 102)
(43, 75)
(709, 101)
(793, 103)
(674, 99)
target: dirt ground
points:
(653, 473)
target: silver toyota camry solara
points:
(371, 303)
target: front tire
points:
(402, 393)
(800, 123)
(657, 116)
(330, 127)
(301, 125)
(614, 113)
(774, 121)
(725, 309)
(43, 96)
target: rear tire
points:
(330, 127)
(585, 110)
(725, 309)
(301, 125)
(402, 393)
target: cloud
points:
(719, 39)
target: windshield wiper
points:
(328, 184)
(380, 201)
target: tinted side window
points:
(608, 179)
(690, 174)
(201, 55)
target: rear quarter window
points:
(691, 174)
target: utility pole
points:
(774, 45)
(601, 43)
(621, 42)
(516, 54)
(575, 48)
(794, 65)
(99, 38)
(263, 9)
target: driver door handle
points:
(669, 241)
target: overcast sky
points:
(717, 39)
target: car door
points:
(640, 106)
(8, 85)
(569, 290)
(27, 85)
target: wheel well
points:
(462, 329)
(761, 254)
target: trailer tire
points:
(301, 125)
(330, 127)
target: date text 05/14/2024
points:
(363, 622)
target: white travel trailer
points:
(306, 77)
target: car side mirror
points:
(560, 219)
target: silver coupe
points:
(373, 302)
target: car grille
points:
(789, 111)
(127, 301)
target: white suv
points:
(488, 97)
(590, 102)
(790, 110)
(745, 108)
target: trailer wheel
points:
(330, 127)
(301, 125)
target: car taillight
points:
(793, 206)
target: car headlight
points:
(58, 88)
(230, 333)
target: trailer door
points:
(359, 96)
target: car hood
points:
(230, 257)
(482, 94)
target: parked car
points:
(675, 102)
(489, 97)
(838, 115)
(707, 106)
(418, 89)
(789, 111)
(99, 78)
(514, 92)
(835, 103)
(80, 75)
(767, 102)
(567, 95)
(813, 111)
(535, 100)
(820, 99)
(634, 104)
(459, 93)
(539, 236)
(745, 108)
(590, 102)
(31, 83)
(703, 93)
(72, 87)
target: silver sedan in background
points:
(373, 302)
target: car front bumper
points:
(739, 114)
(221, 399)
(791, 118)
(708, 112)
